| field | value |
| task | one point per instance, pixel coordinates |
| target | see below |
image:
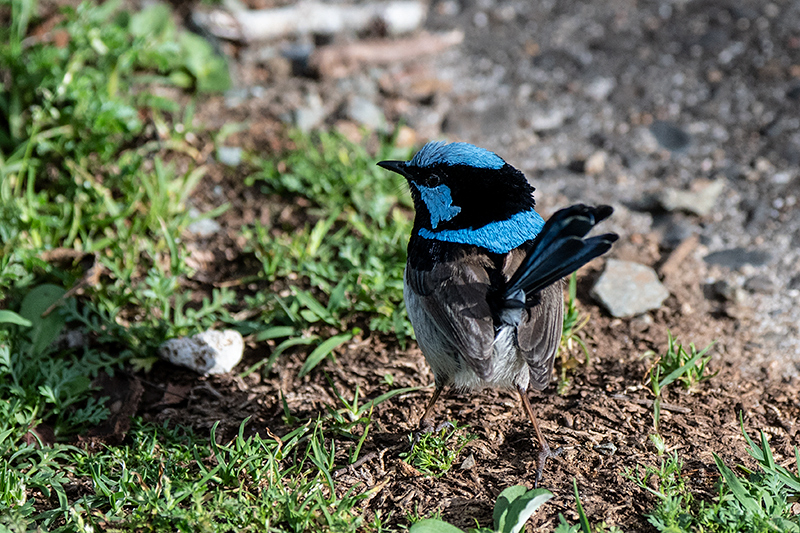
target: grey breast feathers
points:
(453, 296)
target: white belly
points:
(509, 369)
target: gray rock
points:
(600, 88)
(700, 201)
(205, 227)
(235, 97)
(735, 258)
(760, 284)
(366, 113)
(674, 229)
(628, 289)
(202, 227)
(670, 136)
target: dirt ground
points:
(602, 421)
(666, 60)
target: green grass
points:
(571, 337)
(757, 502)
(78, 176)
(348, 257)
(676, 364)
(94, 164)
(170, 479)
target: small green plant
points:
(434, 454)
(760, 502)
(570, 339)
(676, 364)
(351, 415)
(667, 477)
(79, 180)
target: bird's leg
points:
(425, 423)
(544, 449)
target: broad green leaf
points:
(521, 508)
(306, 299)
(275, 332)
(154, 21)
(584, 521)
(337, 297)
(209, 69)
(503, 503)
(44, 330)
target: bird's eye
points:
(434, 180)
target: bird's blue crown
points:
(442, 153)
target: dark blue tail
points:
(560, 248)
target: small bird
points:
(482, 282)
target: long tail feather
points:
(560, 248)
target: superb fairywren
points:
(482, 282)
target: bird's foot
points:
(544, 455)
(425, 427)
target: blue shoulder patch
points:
(498, 237)
(441, 153)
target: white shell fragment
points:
(209, 352)
(399, 16)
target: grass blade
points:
(322, 351)
(383, 397)
(738, 490)
(678, 372)
(584, 520)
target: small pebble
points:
(760, 284)
(736, 258)
(670, 136)
(700, 201)
(229, 155)
(469, 462)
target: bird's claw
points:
(544, 455)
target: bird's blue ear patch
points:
(441, 153)
(439, 202)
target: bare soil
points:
(602, 421)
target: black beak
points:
(395, 166)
